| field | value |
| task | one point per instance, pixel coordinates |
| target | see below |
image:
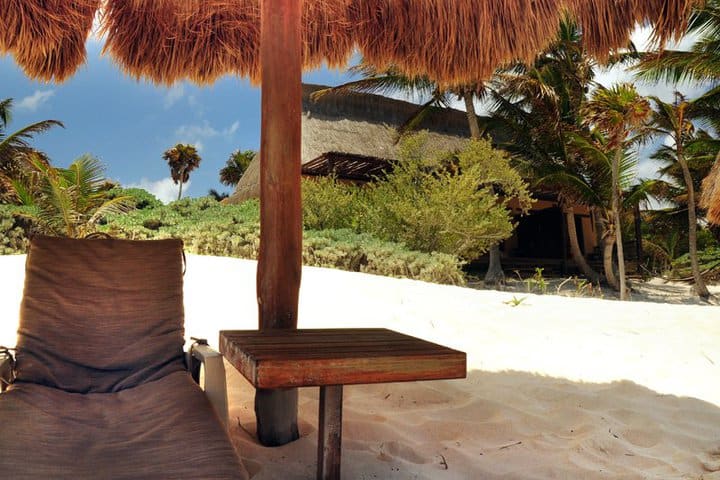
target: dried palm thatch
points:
(453, 41)
(202, 40)
(47, 37)
(607, 25)
(710, 196)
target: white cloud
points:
(35, 101)
(665, 91)
(232, 129)
(195, 134)
(648, 168)
(196, 131)
(173, 95)
(165, 190)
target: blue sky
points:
(129, 124)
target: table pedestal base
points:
(330, 432)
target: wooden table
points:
(331, 358)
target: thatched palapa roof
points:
(453, 41)
(710, 194)
(361, 125)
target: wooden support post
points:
(280, 256)
(330, 432)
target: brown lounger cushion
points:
(164, 429)
(100, 315)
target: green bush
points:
(708, 259)
(12, 232)
(431, 202)
(141, 199)
(210, 228)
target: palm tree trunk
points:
(618, 225)
(182, 177)
(495, 274)
(608, 244)
(468, 97)
(575, 251)
(700, 287)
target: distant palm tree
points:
(235, 166)
(622, 116)
(182, 159)
(67, 201)
(675, 120)
(16, 145)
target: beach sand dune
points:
(557, 387)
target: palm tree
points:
(700, 64)
(594, 188)
(536, 108)
(67, 201)
(16, 145)
(235, 166)
(675, 120)
(182, 159)
(622, 116)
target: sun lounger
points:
(102, 388)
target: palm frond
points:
(21, 138)
(117, 205)
(5, 112)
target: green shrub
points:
(328, 204)
(431, 202)
(13, 239)
(141, 199)
(210, 228)
(708, 259)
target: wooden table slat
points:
(296, 358)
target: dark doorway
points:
(540, 234)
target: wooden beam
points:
(330, 432)
(280, 256)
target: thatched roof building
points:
(360, 130)
(710, 197)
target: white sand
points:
(557, 387)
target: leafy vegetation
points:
(69, 201)
(431, 202)
(139, 198)
(15, 147)
(13, 236)
(210, 228)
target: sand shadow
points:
(509, 425)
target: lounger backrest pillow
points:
(100, 315)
